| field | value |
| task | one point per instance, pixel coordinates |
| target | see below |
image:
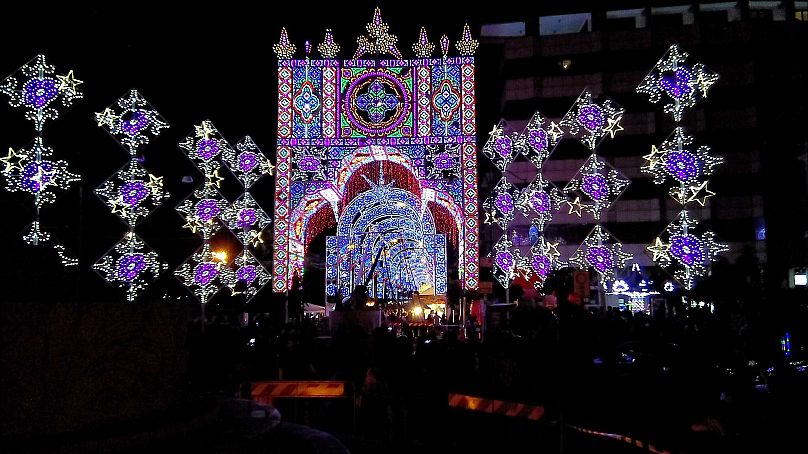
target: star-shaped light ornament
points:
(602, 252)
(598, 184)
(508, 261)
(37, 88)
(503, 145)
(247, 162)
(502, 203)
(203, 274)
(538, 141)
(132, 193)
(589, 120)
(683, 165)
(29, 170)
(686, 249)
(677, 82)
(540, 201)
(378, 41)
(131, 265)
(423, 48)
(132, 121)
(248, 277)
(214, 179)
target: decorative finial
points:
(378, 41)
(466, 45)
(423, 48)
(444, 45)
(308, 47)
(328, 48)
(284, 49)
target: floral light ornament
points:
(602, 252)
(503, 145)
(203, 274)
(677, 82)
(540, 201)
(686, 249)
(508, 261)
(596, 186)
(131, 265)
(544, 258)
(502, 203)
(132, 121)
(540, 139)
(589, 121)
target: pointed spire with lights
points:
(378, 40)
(284, 49)
(423, 48)
(466, 45)
(328, 48)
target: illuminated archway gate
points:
(384, 147)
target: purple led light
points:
(39, 92)
(682, 165)
(600, 257)
(306, 102)
(447, 101)
(505, 261)
(132, 192)
(308, 164)
(540, 202)
(504, 202)
(247, 217)
(591, 116)
(205, 272)
(207, 209)
(537, 138)
(541, 265)
(138, 121)
(688, 249)
(247, 161)
(444, 161)
(33, 179)
(677, 84)
(246, 274)
(504, 145)
(377, 102)
(207, 149)
(595, 186)
(130, 265)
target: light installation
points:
(41, 93)
(539, 201)
(205, 273)
(131, 193)
(596, 185)
(683, 166)
(382, 149)
(246, 219)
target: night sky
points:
(191, 64)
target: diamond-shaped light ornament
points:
(686, 249)
(540, 201)
(596, 186)
(29, 170)
(503, 145)
(130, 264)
(132, 121)
(203, 274)
(202, 210)
(589, 121)
(247, 162)
(37, 88)
(245, 215)
(205, 146)
(544, 258)
(677, 82)
(500, 208)
(684, 165)
(508, 261)
(132, 193)
(602, 252)
(540, 139)
(248, 277)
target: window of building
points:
(565, 23)
(713, 13)
(506, 30)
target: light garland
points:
(685, 249)
(602, 252)
(680, 83)
(37, 89)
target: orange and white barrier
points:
(265, 391)
(499, 407)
